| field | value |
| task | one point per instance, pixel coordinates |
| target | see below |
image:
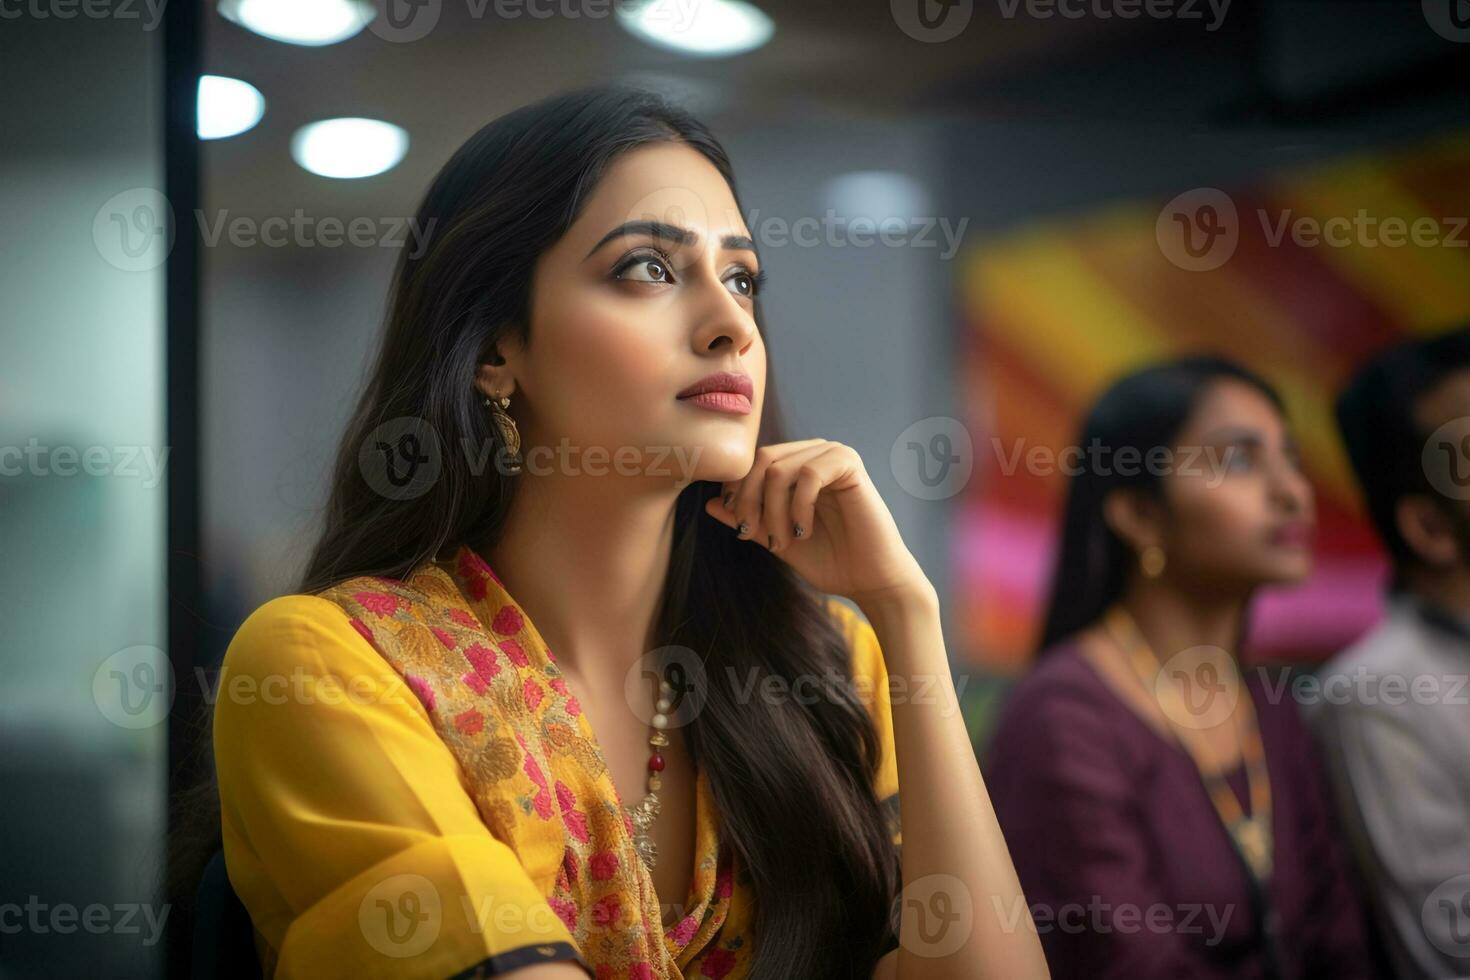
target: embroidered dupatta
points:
(496, 697)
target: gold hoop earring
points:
(509, 433)
(1152, 561)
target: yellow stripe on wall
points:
(1420, 287)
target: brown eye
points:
(644, 268)
(1239, 458)
(748, 284)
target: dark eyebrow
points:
(1235, 433)
(671, 233)
(1251, 438)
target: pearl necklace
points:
(643, 813)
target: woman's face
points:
(625, 315)
(1243, 514)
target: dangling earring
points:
(1152, 561)
(509, 434)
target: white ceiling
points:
(827, 60)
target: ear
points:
(493, 381)
(1135, 517)
(494, 376)
(1429, 531)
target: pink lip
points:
(721, 381)
(721, 401)
(725, 383)
(1297, 534)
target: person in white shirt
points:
(1394, 710)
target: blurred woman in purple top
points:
(1165, 807)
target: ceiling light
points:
(880, 196)
(309, 22)
(708, 28)
(349, 147)
(227, 107)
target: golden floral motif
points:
(499, 759)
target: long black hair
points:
(793, 782)
(1139, 412)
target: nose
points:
(724, 325)
(1290, 487)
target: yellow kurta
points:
(408, 789)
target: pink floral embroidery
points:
(542, 800)
(683, 930)
(605, 910)
(421, 687)
(361, 627)
(483, 661)
(475, 562)
(592, 882)
(717, 963)
(604, 865)
(575, 819)
(515, 653)
(565, 910)
(379, 603)
(507, 621)
(470, 570)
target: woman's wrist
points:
(914, 598)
